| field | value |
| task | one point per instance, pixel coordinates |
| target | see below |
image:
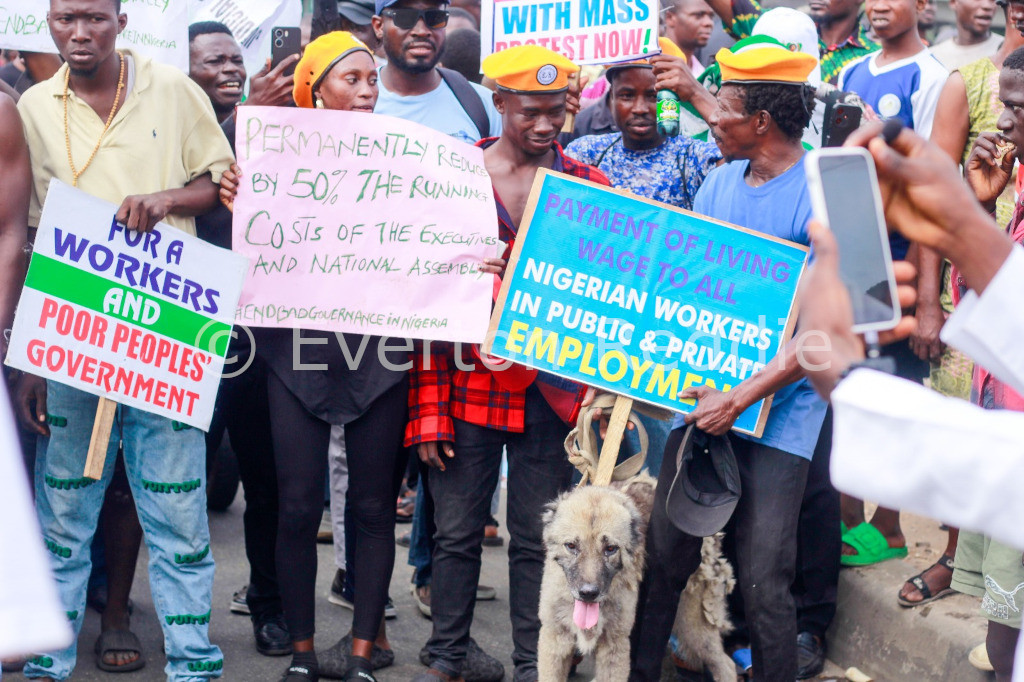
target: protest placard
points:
(361, 223)
(250, 22)
(156, 29)
(585, 31)
(140, 319)
(641, 298)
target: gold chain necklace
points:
(761, 184)
(75, 174)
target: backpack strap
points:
(469, 98)
(597, 163)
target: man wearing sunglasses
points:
(414, 88)
(411, 85)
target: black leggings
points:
(376, 462)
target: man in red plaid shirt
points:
(461, 419)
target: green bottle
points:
(668, 113)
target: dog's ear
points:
(640, 490)
(549, 510)
(548, 515)
(637, 529)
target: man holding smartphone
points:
(762, 109)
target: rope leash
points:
(582, 447)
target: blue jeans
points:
(421, 537)
(165, 463)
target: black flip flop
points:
(118, 640)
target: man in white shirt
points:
(973, 38)
(883, 423)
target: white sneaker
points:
(979, 658)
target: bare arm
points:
(723, 8)
(16, 179)
(143, 211)
(952, 126)
(949, 132)
(924, 342)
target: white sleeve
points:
(989, 328)
(908, 447)
(31, 615)
(926, 100)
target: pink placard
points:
(362, 223)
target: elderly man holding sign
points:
(763, 107)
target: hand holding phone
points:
(284, 42)
(845, 197)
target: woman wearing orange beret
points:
(336, 72)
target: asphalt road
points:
(233, 633)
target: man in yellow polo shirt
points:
(144, 137)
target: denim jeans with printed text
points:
(165, 463)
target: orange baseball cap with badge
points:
(765, 63)
(529, 68)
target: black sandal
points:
(945, 561)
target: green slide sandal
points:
(872, 547)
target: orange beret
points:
(529, 68)
(765, 63)
(317, 60)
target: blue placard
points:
(641, 298)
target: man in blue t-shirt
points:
(642, 160)
(411, 87)
(762, 109)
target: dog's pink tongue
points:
(585, 614)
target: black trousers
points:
(376, 463)
(819, 544)
(764, 530)
(537, 472)
(243, 411)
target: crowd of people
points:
(342, 453)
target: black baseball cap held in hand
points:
(706, 488)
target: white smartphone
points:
(845, 197)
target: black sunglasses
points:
(406, 18)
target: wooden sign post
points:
(612, 440)
(97, 456)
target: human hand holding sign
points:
(229, 186)
(141, 212)
(716, 411)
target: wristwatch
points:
(879, 364)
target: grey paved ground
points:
(234, 634)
